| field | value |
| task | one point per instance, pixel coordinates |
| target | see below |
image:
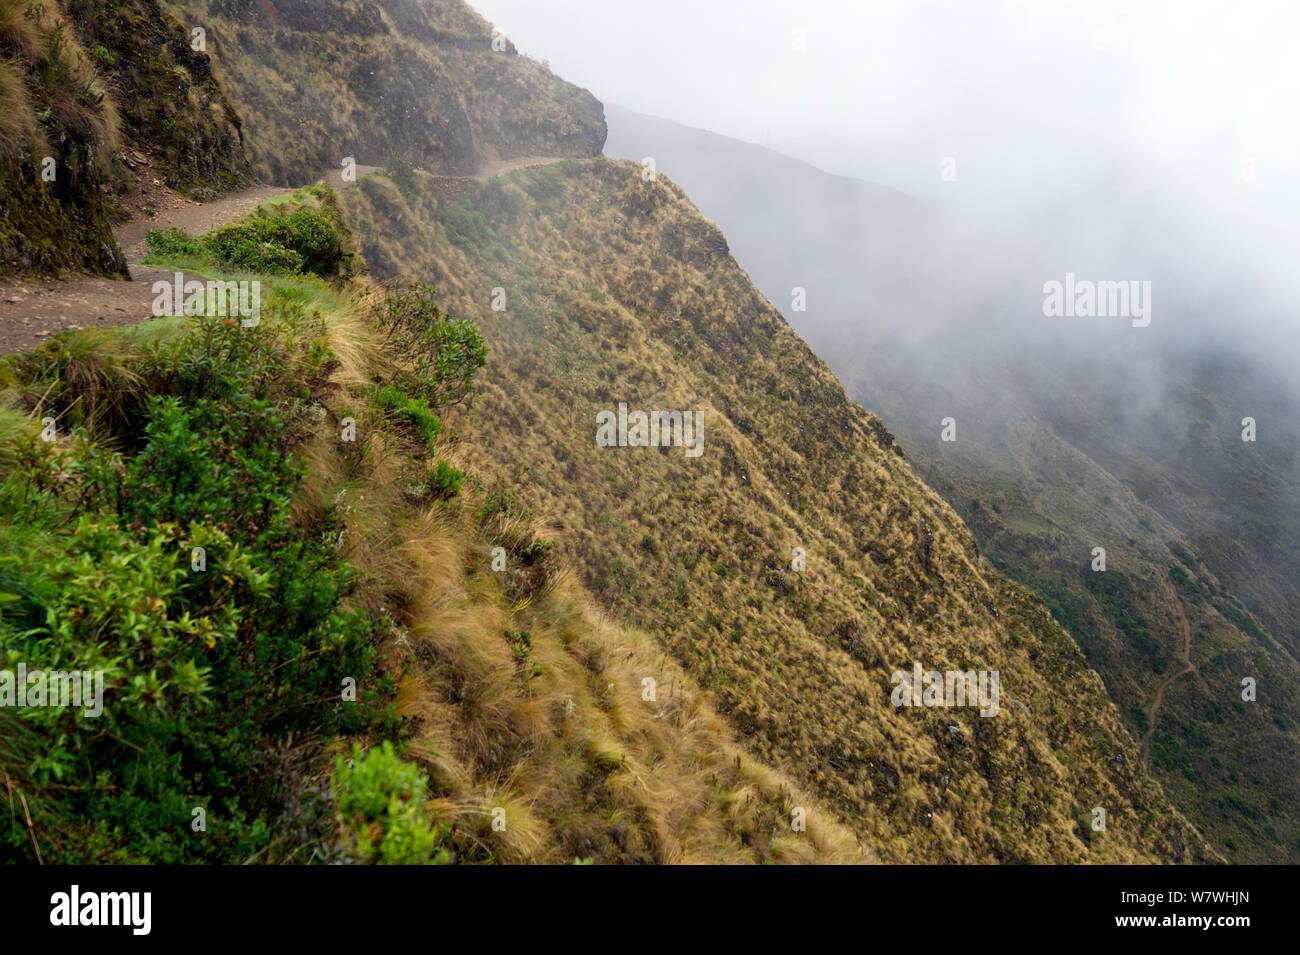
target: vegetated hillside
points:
(615, 289)
(790, 224)
(316, 82)
(1045, 471)
(57, 131)
(343, 676)
(1063, 444)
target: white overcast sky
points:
(884, 89)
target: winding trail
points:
(1190, 667)
(32, 310)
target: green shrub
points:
(304, 241)
(445, 480)
(173, 242)
(208, 671)
(316, 239)
(402, 172)
(466, 228)
(415, 412)
(256, 244)
(521, 644)
(381, 810)
(445, 353)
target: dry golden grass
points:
(618, 290)
(560, 739)
(45, 71)
(20, 133)
(20, 32)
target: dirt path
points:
(500, 167)
(1160, 690)
(31, 311)
(193, 217)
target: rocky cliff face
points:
(58, 128)
(168, 99)
(82, 81)
(422, 79)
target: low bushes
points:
(164, 557)
(306, 240)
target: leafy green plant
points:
(173, 242)
(208, 666)
(445, 353)
(521, 644)
(445, 480)
(402, 172)
(381, 810)
(414, 411)
(303, 241)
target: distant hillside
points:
(790, 225)
(1065, 442)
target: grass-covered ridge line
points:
(326, 561)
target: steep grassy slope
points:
(520, 711)
(57, 131)
(617, 290)
(318, 82)
(1067, 439)
(851, 245)
(1042, 488)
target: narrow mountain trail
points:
(1189, 667)
(500, 167)
(31, 311)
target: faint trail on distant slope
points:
(499, 167)
(1160, 690)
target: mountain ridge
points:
(594, 286)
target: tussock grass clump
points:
(20, 133)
